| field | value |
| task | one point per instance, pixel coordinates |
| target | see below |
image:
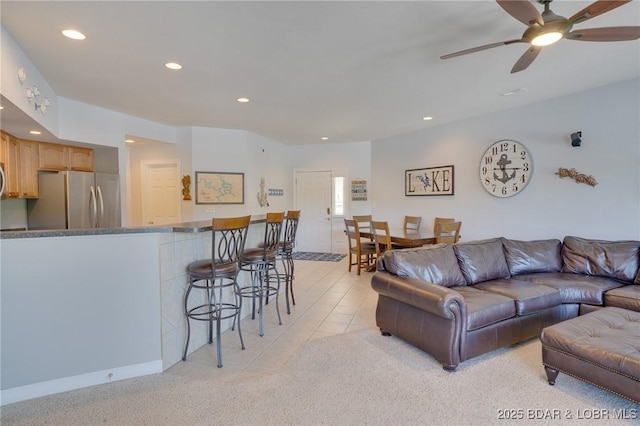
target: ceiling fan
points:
(547, 28)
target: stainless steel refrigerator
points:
(75, 200)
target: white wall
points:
(549, 207)
(239, 151)
(88, 307)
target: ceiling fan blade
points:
(594, 9)
(526, 59)
(605, 34)
(479, 48)
(523, 11)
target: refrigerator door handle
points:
(95, 208)
(101, 202)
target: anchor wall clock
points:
(506, 168)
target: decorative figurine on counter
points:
(186, 184)
(262, 196)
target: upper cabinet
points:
(9, 156)
(52, 156)
(23, 159)
(80, 159)
(28, 159)
(20, 160)
(62, 157)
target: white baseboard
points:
(36, 390)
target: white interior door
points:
(161, 193)
(313, 198)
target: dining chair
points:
(361, 253)
(449, 233)
(381, 237)
(364, 223)
(439, 220)
(216, 278)
(412, 223)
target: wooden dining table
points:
(404, 238)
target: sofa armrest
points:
(437, 300)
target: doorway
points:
(313, 198)
(161, 192)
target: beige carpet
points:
(355, 378)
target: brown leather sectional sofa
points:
(462, 300)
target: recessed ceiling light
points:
(173, 66)
(1, 107)
(427, 118)
(73, 34)
(243, 100)
(324, 138)
(35, 132)
(129, 141)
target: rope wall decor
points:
(577, 176)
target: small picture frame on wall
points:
(428, 181)
(219, 188)
(358, 190)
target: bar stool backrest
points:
(229, 238)
(290, 229)
(272, 232)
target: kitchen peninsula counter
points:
(186, 227)
(89, 306)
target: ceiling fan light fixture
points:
(546, 39)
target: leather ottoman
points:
(601, 348)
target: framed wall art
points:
(219, 188)
(358, 190)
(428, 181)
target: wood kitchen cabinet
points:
(52, 156)
(28, 161)
(9, 155)
(80, 159)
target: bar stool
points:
(215, 276)
(285, 253)
(261, 262)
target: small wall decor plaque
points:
(358, 190)
(429, 181)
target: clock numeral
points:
(488, 160)
(523, 155)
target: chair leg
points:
(290, 276)
(186, 311)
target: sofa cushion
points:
(437, 265)
(627, 297)
(613, 259)
(482, 260)
(574, 288)
(484, 307)
(529, 297)
(526, 257)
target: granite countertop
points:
(187, 227)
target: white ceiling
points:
(350, 71)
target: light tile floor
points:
(329, 300)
